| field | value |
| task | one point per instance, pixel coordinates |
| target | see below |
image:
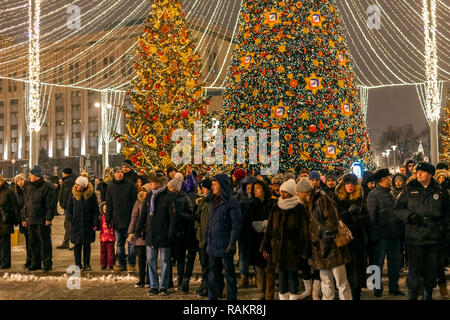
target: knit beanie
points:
(67, 170)
(314, 175)
(82, 181)
(240, 174)
(36, 171)
(304, 185)
(289, 187)
(176, 182)
(278, 179)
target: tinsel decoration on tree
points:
(291, 70)
(444, 135)
(167, 93)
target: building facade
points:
(72, 127)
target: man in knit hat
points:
(314, 178)
(37, 215)
(331, 182)
(277, 181)
(121, 195)
(424, 207)
(326, 257)
(65, 191)
(158, 220)
(128, 172)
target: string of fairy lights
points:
(395, 57)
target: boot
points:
(308, 290)
(64, 245)
(316, 290)
(443, 291)
(284, 296)
(427, 294)
(243, 282)
(293, 296)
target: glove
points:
(415, 219)
(231, 249)
(354, 209)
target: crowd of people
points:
(282, 228)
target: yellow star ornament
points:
(280, 111)
(313, 83)
(316, 19)
(331, 150)
(247, 59)
(272, 18)
(346, 108)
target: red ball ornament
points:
(162, 153)
(184, 114)
(155, 118)
(312, 129)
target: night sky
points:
(387, 106)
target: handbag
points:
(343, 234)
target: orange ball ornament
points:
(293, 83)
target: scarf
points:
(152, 201)
(286, 204)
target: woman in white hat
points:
(286, 239)
(82, 212)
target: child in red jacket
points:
(107, 240)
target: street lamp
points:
(13, 161)
(388, 151)
(395, 164)
(383, 154)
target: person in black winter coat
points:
(258, 215)
(185, 235)
(37, 215)
(385, 230)
(157, 226)
(244, 197)
(129, 173)
(409, 164)
(224, 227)
(120, 198)
(352, 209)
(19, 189)
(82, 212)
(424, 207)
(63, 197)
(9, 211)
(368, 183)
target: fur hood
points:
(86, 194)
(108, 179)
(342, 195)
(442, 172)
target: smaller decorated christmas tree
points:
(444, 135)
(167, 93)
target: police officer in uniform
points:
(424, 208)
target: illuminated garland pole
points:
(433, 98)
(34, 124)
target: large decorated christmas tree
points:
(291, 71)
(167, 93)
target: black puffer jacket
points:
(384, 224)
(66, 190)
(120, 198)
(131, 176)
(184, 219)
(9, 210)
(432, 204)
(39, 203)
(159, 229)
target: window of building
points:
(77, 72)
(60, 74)
(88, 70)
(111, 67)
(105, 68)
(71, 73)
(15, 82)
